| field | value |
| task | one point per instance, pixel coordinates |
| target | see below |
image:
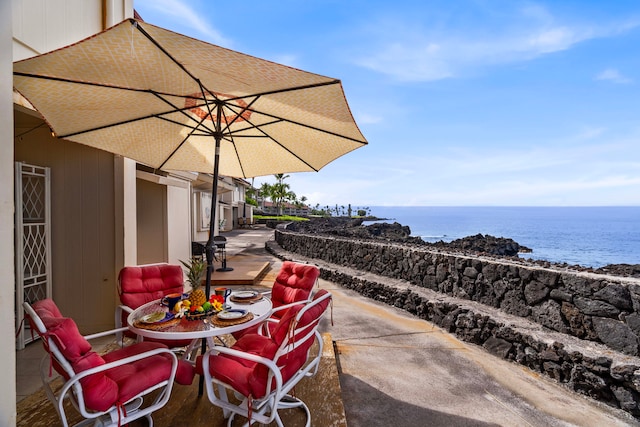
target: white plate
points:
(156, 317)
(231, 314)
(245, 294)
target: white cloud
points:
(553, 40)
(286, 59)
(182, 11)
(365, 118)
(613, 75)
(434, 50)
(590, 133)
(588, 168)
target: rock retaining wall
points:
(581, 329)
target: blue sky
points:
(464, 103)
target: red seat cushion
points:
(137, 376)
(248, 378)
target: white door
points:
(32, 241)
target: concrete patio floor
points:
(386, 367)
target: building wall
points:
(84, 195)
(7, 286)
(178, 215)
(43, 25)
(163, 218)
(82, 224)
(152, 222)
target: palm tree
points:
(265, 191)
(280, 194)
(280, 177)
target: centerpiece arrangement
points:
(196, 306)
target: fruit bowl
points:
(198, 315)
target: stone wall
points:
(564, 324)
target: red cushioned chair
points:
(112, 389)
(261, 370)
(292, 286)
(138, 285)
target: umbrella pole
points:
(209, 248)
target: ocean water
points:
(587, 236)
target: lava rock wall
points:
(570, 320)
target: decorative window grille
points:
(32, 241)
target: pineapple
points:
(195, 273)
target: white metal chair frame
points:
(72, 388)
(265, 410)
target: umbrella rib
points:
(157, 115)
(157, 94)
(104, 85)
(137, 25)
(179, 145)
(278, 119)
(278, 143)
(178, 110)
(287, 89)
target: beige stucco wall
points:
(82, 225)
(43, 25)
(152, 222)
(178, 217)
(163, 217)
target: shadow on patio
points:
(321, 393)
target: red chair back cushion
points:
(293, 283)
(309, 317)
(100, 392)
(142, 284)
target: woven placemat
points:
(156, 326)
(245, 300)
(230, 322)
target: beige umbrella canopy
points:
(153, 95)
(176, 103)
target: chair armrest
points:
(263, 328)
(119, 310)
(291, 304)
(74, 380)
(105, 333)
(118, 322)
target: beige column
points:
(7, 272)
(115, 11)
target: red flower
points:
(218, 298)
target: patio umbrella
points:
(176, 103)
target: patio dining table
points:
(206, 327)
